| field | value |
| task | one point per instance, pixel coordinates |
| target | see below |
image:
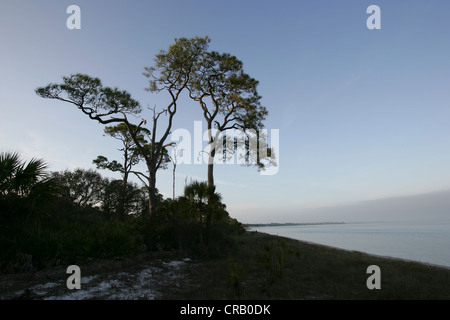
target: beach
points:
(424, 241)
(258, 266)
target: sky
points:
(363, 114)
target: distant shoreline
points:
(374, 255)
(287, 234)
(250, 225)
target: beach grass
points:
(261, 266)
(250, 266)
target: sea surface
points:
(423, 241)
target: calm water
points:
(424, 241)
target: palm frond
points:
(19, 177)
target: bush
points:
(66, 219)
(62, 242)
(274, 258)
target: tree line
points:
(66, 217)
(27, 188)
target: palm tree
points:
(22, 180)
(205, 200)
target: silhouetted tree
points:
(174, 160)
(119, 202)
(206, 202)
(228, 99)
(81, 187)
(171, 73)
(131, 157)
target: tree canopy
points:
(103, 104)
(228, 99)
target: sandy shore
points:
(260, 266)
(251, 228)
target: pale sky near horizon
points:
(362, 114)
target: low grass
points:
(261, 266)
(248, 265)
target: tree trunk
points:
(209, 213)
(173, 178)
(210, 185)
(122, 213)
(153, 197)
(152, 202)
(212, 153)
(210, 175)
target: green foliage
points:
(228, 99)
(64, 242)
(173, 68)
(25, 188)
(82, 220)
(182, 223)
(103, 163)
(21, 179)
(89, 95)
(202, 198)
(88, 189)
(235, 276)
(204, 203)
(81, 187)
(120, 201)
(274, 257)
(232, 92)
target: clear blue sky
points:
(362, 114)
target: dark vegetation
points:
(263, 266)
(73, 217)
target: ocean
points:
(423, 241)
